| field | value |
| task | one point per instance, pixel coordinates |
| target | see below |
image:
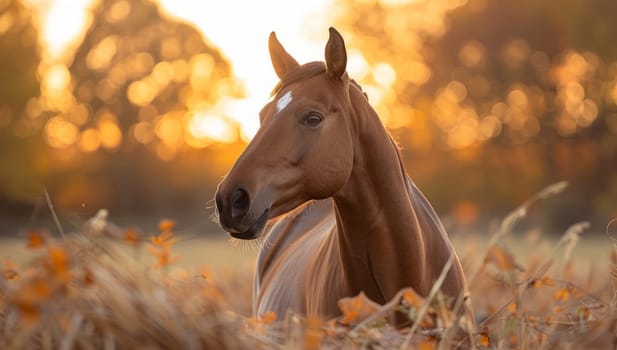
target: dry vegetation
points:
(82, 292)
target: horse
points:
(323, 183)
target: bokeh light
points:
(210, 127)
(116, 87)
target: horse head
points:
(303, 149)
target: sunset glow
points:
(241, 28)
(62, 22)
(238, 28)
(142, 106)
(220, 102)
(211, 127)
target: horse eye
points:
(312, 119)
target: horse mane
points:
(303, 72)
(307, 71)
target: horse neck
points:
(381, 244)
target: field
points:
(111, 288)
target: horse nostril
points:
(240, 203)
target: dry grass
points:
(107, 288)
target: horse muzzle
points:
(237, 218)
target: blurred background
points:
(140, 106)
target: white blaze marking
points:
(283, 101)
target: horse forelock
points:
(307, 71)
(303, 72)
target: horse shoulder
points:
(437, 242)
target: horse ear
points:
(281, 60)
(336, 55)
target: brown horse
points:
(325, 180)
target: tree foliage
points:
(19, 84)
(120, 108)
(508, 95)
(18, 38)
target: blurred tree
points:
(506, 70)
(145, 74)
(19, 60)
(471, 79)
(115, 128)
(139, 79)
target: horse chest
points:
(303, 273)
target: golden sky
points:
(240, 28)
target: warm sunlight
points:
(191, 59)
(205, 126)
(239, 29)
(129, 144)
(62, 21)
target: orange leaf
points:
(29, 313)
(29, 299)
(33, 292)
(561, 295)
(268, 317)
(357, 308)
(484, 340)
(502, 259)
(164, 239)
(429, 321)
(427, 344)
(58, 262)
(512, 308)
(412, 298)
(545, 281)
(163, 256)
(166, 225)
(35, 239)
(131, 236)
(40, 289)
